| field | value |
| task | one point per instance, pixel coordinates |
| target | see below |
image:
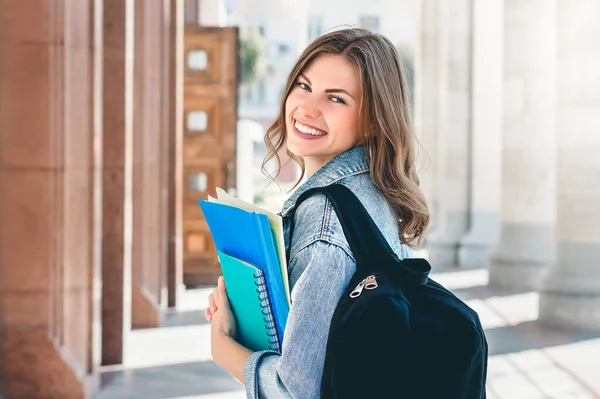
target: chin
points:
(298, 151)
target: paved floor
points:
(527, 360)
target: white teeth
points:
(308, 130)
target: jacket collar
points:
(349, 163)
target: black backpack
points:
(395, 332)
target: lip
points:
(304, 135)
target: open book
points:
(251, 249)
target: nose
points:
(308, 109)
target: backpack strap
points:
(369, 247)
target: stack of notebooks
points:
(251, 250)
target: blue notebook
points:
(247, 236)
(247, 292)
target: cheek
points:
(290, 104)
(346, 122)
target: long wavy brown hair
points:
(384, 119)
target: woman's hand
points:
(226, 352)
(212, 307)
(219, 313)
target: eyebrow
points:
(328, 90)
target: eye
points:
(303, 86)
(337, 100)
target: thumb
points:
(222, 290)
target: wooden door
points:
(209, 136)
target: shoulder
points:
(320, 265)
(316, 220)
(312, 223)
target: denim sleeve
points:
(325, 270)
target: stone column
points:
(453, 153)
(570, 295)
(173, 136)
(117, 178)
(141, 307)
(97, 172)
(526, 245)
(148, 260)
(47, 234)
(429, 77)
(486, 132)
(81, 238)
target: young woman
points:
(345, 118)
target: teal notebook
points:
(247, 292)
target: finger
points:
(212, 303)
(221, 290)
(207, 314)
(217, 295)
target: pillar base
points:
(443, 255)
(475, 247)
(570, 294)
(443, 243)
(473, 256)
(574, 311)
(523, 256)
(145, 312)
(519, 275)
(33, 368)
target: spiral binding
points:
(267, 311)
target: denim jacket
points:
(320, 267)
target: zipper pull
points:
(371, 283)
(357, 291)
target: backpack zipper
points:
(369, 283)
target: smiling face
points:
(322, 111)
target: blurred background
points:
(117, 115)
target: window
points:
(197, 60)
(283, 48)
(197, 121)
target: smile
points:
(308, 129)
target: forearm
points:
(231, 356)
